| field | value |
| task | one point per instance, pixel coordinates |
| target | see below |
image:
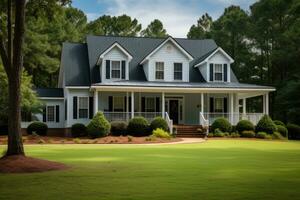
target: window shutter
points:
(66, 109)
(91, 107)
(211, 104)
(110, 103)
(44, 114)
(225, 72)
(157, 105)
(125, 103)
(107, 69)
(129, 106)
(143, 104)
(211, 72)
(74, 107)
(123, 69)
(225, 105)
(57, 113)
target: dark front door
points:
(174, 110)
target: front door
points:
(174, 110)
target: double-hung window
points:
(178, 71)
(116, 69)
(219, 105)
(150, 104)
(159, 70)
(118, 104)
(83, 107)
(218, 72)
(50, 113)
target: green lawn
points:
(217, 169)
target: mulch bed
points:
(24, 164)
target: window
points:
(150, 104)
(118, 104)
(178, 71)
(50, 113)
(218, 72)
(219, 105)
(116, 69)
(159, 71)
(83, 107)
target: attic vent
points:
(169, 48)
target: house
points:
(184, 81)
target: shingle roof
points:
(50, 92)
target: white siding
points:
(114, 54)
(169, 57)
(146, 69)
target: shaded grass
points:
(217, 169)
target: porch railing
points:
(169, 122)
(234, 118)
(126, 116)
(204, 122)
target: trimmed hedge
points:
(248, 134)
(78, 130)
(138, 126)
(222, 124)
(282, 130)
(294, 131)
(261, 135)
(266, 124)
(159, 122)
(160, 133)
(277, 122)
(118, 128)
(98, 126)
(244, 125)
(39, 128)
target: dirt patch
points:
(24, 164)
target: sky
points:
(177, 16)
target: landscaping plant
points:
(244, 125)
(159, 122)
(138, 127)
(38, 128)
(118, 128)
(98, 126)
(266, 124)
(221, 123)
(160, 133)
(78, 130)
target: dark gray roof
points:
(50, 92)
(139, 48)
(75, 64)
(183, 84)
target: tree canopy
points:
(155, 29)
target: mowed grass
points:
(217, 169)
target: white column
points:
(202, 103)
(95, 102)
(127, 102)
(267, 103)
(231, 108)
(132, 104)
(163, 105)
(264, 104)
(244, 106)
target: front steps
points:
(190, 131)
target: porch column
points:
(127, 106)
(267, 103)
(244, 106)
(202, 103)
(95, 101)
(231, 108)
(264, 104)
(132, 104)
(163, 105)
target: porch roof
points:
(50, 92)
(188, 86)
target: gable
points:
(169, 50)
(219, 57)
(115, 54)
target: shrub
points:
(118, 128)
(39, 128)
(218, 133)
(261, 135)
(222, 124)
(269, 137)
(138, 126)
(277, 122)
(282, 130)
(210, 135)
(98, 126)
(244, 125)
(77, 141)
(160, 133)
(277, 135)
(130, 138)
(159, 122)
(78, 130)
(266, 124)
(235, 135)
(294, 131)
(248, 134)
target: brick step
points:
(190, 135)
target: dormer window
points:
(116, 69)
(159, 70)
(218, 72)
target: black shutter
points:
(211, 104)
(44, 114)
(211, 72)
(129, 107)
(125, 103)
(143, 104)
(225, 72)
(123, 69)
(225, 105)
(66, 109)
(57, 113)
(91, 107)
(107, 69)
(74, 107)
(157, 105)
(110, 103)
